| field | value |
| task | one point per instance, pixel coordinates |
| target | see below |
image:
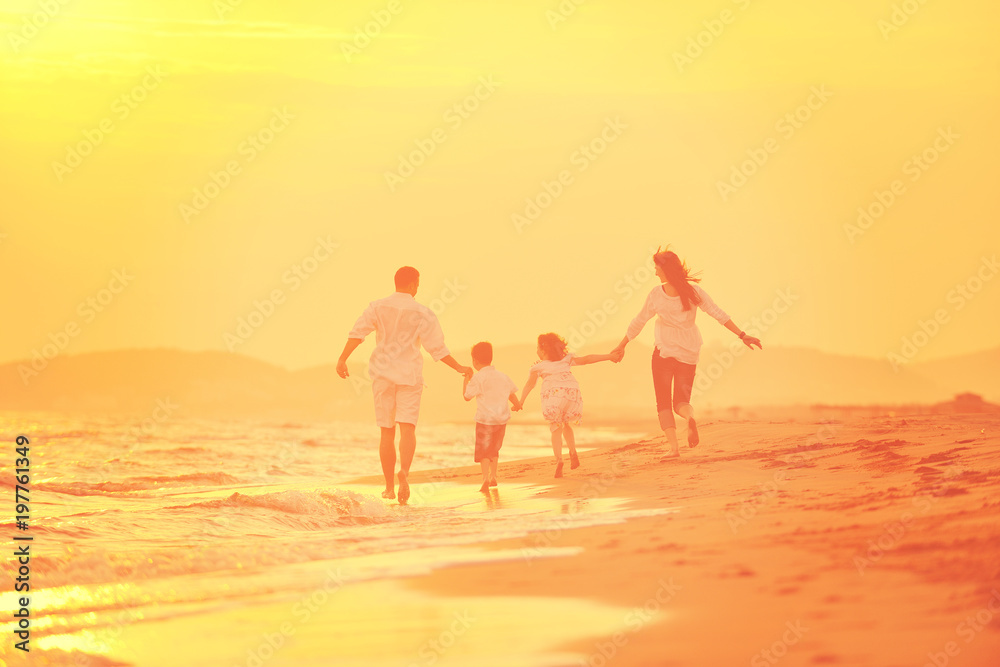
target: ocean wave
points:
(145, 483)
(318, 509)
(218, 478)
(74, 531)
(215, 536)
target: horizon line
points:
(707, 345)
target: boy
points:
(491, 389)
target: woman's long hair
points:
(678, 275)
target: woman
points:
(678, 341)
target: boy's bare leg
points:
(574, 460)
(485, 465)
(407, 446)
(387, 452)
(493, 470)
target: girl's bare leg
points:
(557, 442)
(557, 447)
(574, 460)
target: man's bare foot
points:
(493, 482)
(673, 454)
(559, 469)
(692, 433)
(389, 494)
(404, 488)
(485, 488)
(574, 461)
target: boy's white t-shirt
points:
(492, 390)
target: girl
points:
(561, 399)
(678, 341)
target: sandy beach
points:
(873, 542)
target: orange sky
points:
(174, 94)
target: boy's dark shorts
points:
(489, 438)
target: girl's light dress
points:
(562, 402)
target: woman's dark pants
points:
(666, 372)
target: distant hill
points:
(221, 384)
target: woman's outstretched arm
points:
(747, 339)
(709, 307)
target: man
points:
(401, 326)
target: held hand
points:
(467, 372)
(750, 341)
(516, 407)
(617, 354)
(342, 368)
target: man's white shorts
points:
(396, 402)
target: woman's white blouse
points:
(676, 334)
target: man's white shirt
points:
(401, 327)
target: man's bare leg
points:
(493, 470)
(407, 446)
(387, 452)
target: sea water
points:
(137, 527)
